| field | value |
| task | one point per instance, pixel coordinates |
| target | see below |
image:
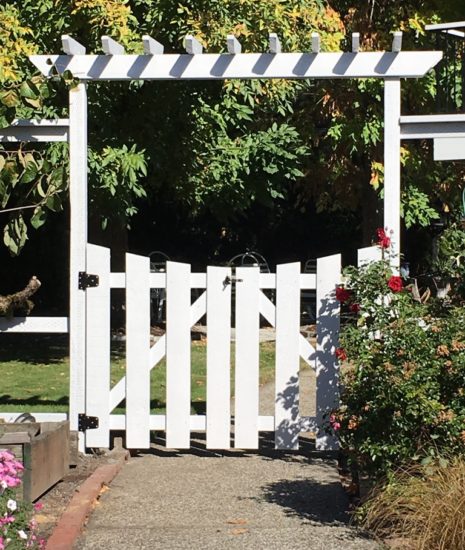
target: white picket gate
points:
(214, 302)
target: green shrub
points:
(403, 395)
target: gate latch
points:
(87, 280)
(87, 422)
(228, 280)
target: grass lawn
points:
(34, 374)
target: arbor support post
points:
(392, 165)
(78, 243)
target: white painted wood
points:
(427, 119)
(39, 416)
(218, 358)
(316, 45)
(449, 149)
(178, 355)
(198, 308)
(368, 255)
(392, 165)
(327, 368)
(355, 42)
(308, 424)
(268, 281)
(197, 422)
(118, 280)
(111, 47)
(152, 46)
(247, 358)
(137, 352)
(397, 41)
(158, 350)
(275, 43)
(233, 44)
(287, 356)
(192, 45)
(306, 350)
(71, 46)
(244, 65)
(36, 131)
(98, 331)
(443, 126)
(34, 324)
(77, 247)
(445, 26)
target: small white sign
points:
(449, 148)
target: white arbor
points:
(153, 64)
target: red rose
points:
(342, 294)
(341, 354)
(354, 308)
(383, 240)
(395, 283)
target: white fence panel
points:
(98, 308)
(247, 358)
(287, 416)
(368, 255)
(327, 340)
(178, 355)
(218, 358)
(137, 352)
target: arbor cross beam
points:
(241, 65)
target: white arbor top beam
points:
(36, 131)
(244, 65)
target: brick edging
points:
(73, 519)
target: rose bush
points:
(17, 526)
(403, 395)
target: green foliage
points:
(114, 180)
(403, 397)
(450, 261)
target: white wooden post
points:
(392, 164)
(327, 340)
(287, 417)
(98, 347)
(218, 358)
(137, 352)
(78, 242)
(178, 355)
(246, 399)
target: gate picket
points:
(178, 355)
(98, 346)
(218, 358)
(137, 352)
(327, 340)
(247, 358)
(287, 417)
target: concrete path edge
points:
(73, 519)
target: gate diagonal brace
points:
(87, 280)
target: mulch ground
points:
(56, 499)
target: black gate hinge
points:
(87, 280)
(87, 422)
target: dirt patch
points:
(56, 499)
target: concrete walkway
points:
(234, 500)
(201, 500)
